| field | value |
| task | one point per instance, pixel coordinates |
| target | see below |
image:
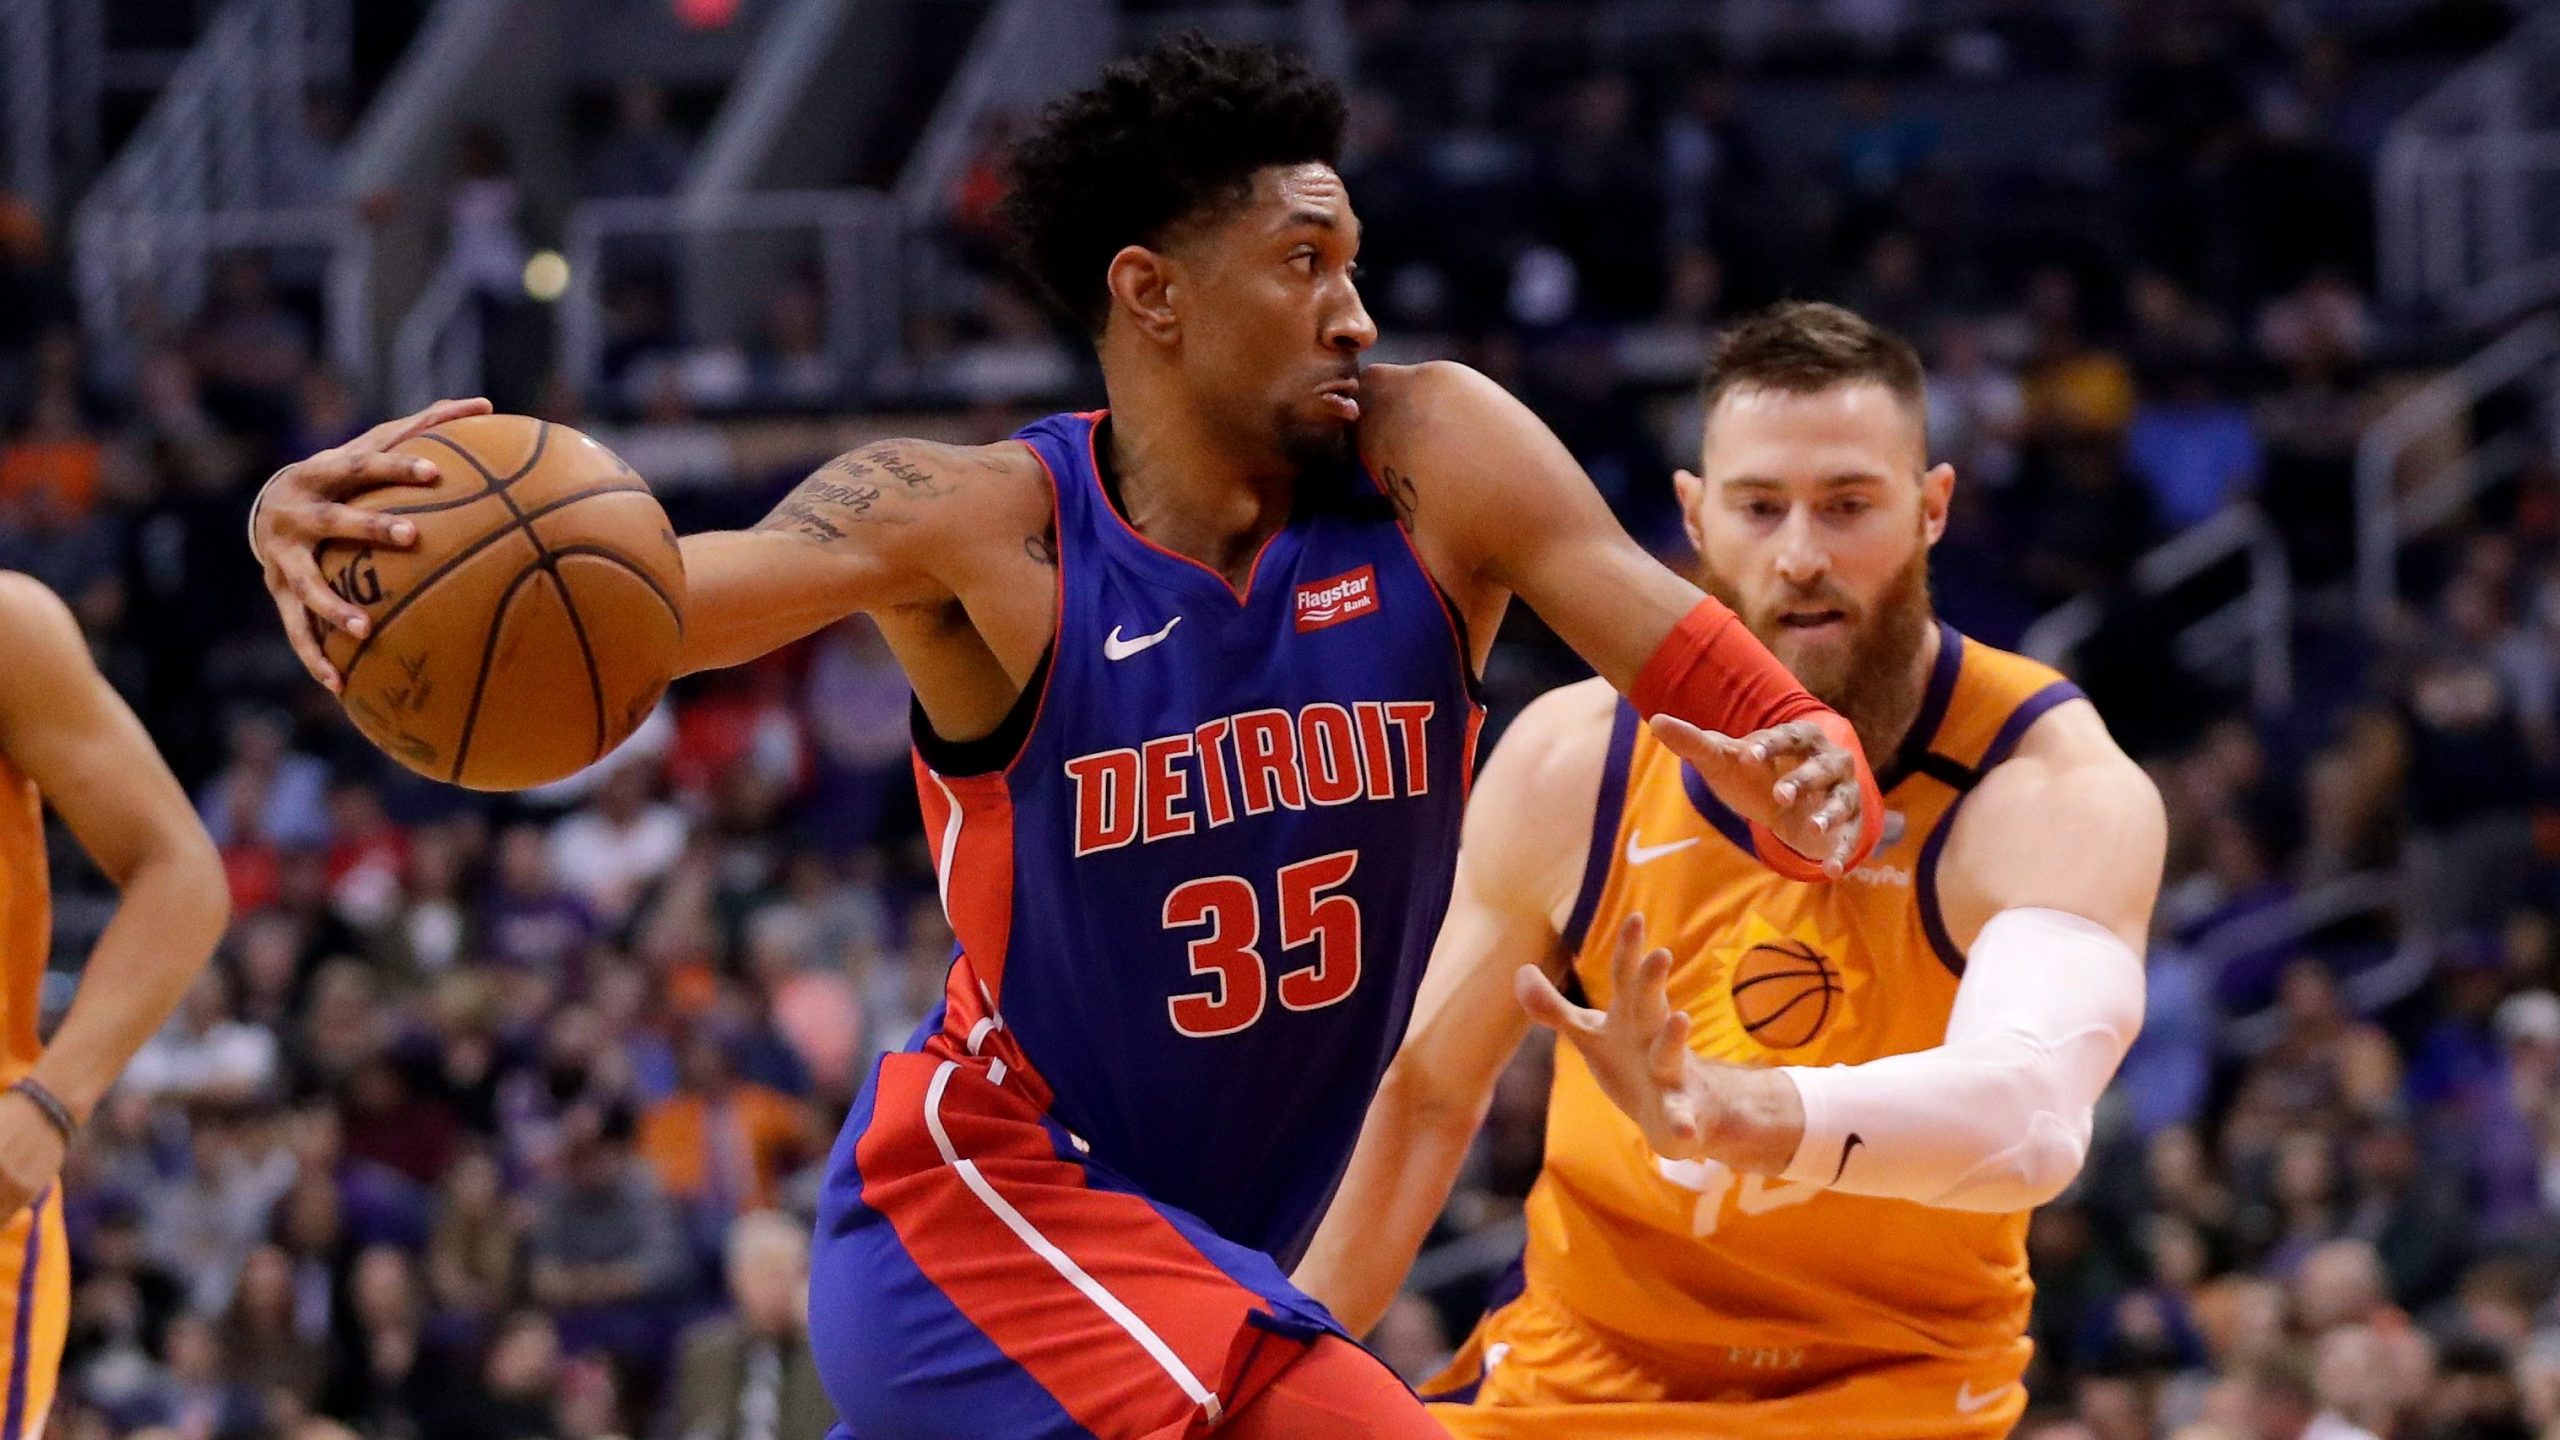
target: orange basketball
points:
(534, 624)
(1782, 993)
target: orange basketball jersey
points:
(1650, 1283)
(26, 919)
(35, 1254)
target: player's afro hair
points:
(1163, 138)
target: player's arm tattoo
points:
(1401, 492)
(870, 487)
(1042, 548)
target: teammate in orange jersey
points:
(68, 741)
(1791, 1156)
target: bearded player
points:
(67, 741)
(1195, 697)
(1791, 1154)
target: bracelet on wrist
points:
(56, 1114)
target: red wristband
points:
(1778, 855)
(1714, 673)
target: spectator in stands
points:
(285, 791)
(190, 1395)
(203, 1225)
(529, 917)
(510, 1398)
(748, 1375)
(250, 352)
(384, 1368)
(612, 848)
(856, 698)
(472, 1257)
(792, 365)
(201, 1055)
(275, 1345)
(2414, 1214)
(643, 156)
(305, 166)
(2471, 839)
(2192, 447)
(605, 1245)
(720, 1144)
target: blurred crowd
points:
(500, 1116)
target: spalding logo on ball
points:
(535, 623)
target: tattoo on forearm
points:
(1401, 492)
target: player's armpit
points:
(870, 530)
(1519, 864)
(68, 731)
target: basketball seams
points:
(637, 571)
(423, 582)
(549, 564)
(488, 660)
(586, 651)
(497, 484)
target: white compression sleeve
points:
(1997, 1118)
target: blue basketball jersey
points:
(1196, 883)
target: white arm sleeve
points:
(1997, 1118)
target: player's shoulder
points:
(42, 649)
(2067, 776)
(31, 615)
(1405, 402)
(1555, 750)
(919, 482)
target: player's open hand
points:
(31, 1153)
(1638, 1048)
(304, 504)
(1792, 778)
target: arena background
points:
(2233, 309)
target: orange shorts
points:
(1534, 1370)
(35, 1313)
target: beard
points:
(1312, 444)
(1873, 680)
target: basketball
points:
(1782, 993)
(534, 624)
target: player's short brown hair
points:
(1804, 347)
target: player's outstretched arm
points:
(871, 529)
(1517, 875)
(892, 524)
(1487, 485)
(2047, 884)
(68, 731)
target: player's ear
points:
(1937, 491)
(1693, 498)
(1142, 285)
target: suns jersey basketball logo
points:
(1769, 996)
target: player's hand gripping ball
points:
(530, 622)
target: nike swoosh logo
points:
(1967, 1402)
(1639, 853)
(1853, 1142)
(1115, 648)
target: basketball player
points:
(1791, 1156)
(67, 741)
(1195, 684)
